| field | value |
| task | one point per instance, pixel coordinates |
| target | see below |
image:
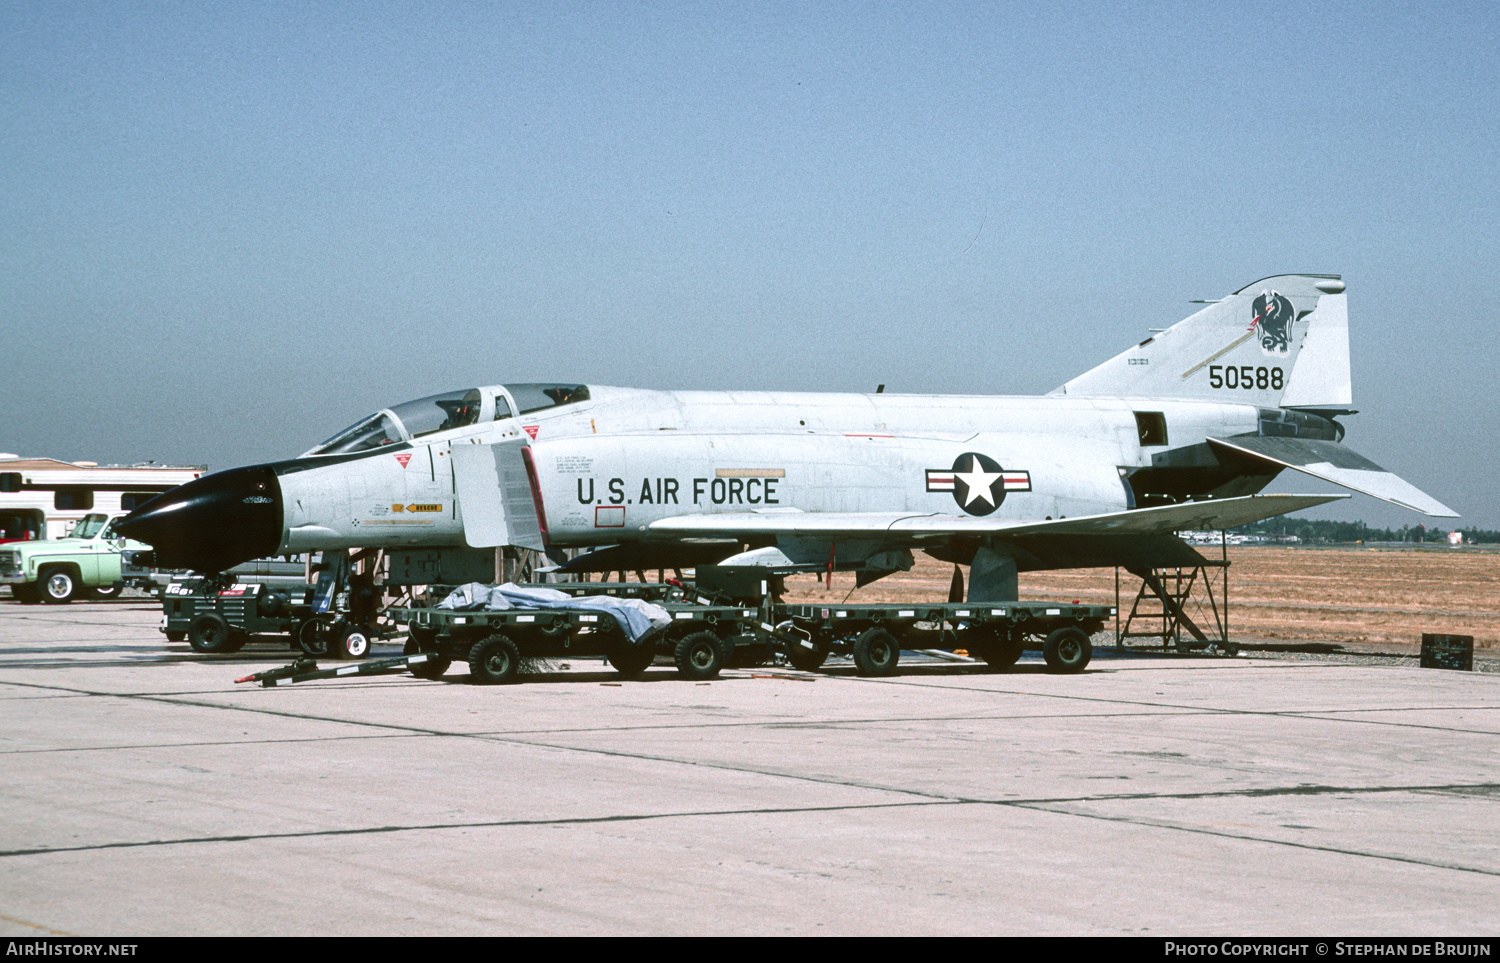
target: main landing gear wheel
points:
(25, 594)
(211, 635)
(57, 586)
(494, 661)
(876, 653)
(1067, 650)
(700, 656)
(352, 642)
(435, 665)
(315, 636)
(630, 660)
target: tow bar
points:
(303, 670)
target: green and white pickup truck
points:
(92, 561)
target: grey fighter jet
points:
(1181, 431)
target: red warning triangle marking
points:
(530, 430)
(403, 459)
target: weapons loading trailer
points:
(701, 639)
(997, 632)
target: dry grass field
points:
(1361, 599)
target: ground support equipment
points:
(997, 632)
(304, 669)
(701, 639)
(1174, 601)
(215, 615)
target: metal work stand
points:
(1171, 601)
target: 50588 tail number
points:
(1245, 376)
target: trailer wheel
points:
(808, 657)
(1002, 653)
(876, 653)
(435, 665)
(107, 591)
(494, 661)
(57, 585)
(630, 660)
(700, 656)
(314, 635)
(1067, 650)
(209, 634)
(353, 642)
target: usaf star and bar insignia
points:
(977, 482)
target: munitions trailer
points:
(997, 632)
(701, 639)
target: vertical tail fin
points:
(1280, 342)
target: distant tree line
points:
(1320, 532)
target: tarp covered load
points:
(635, 617)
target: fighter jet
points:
(1180, 431)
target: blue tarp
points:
(635, 617)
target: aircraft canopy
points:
(452, 409)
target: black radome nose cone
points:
(212, 523)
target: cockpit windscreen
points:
(410, 419)
(372, 432)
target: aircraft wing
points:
(1331, 461)
(917, 528)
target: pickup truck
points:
(92, 561)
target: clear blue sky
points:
(231, 229)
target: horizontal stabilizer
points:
(1331, 461)
(919, 528)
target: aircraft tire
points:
(314, 636)
(630, 660)
(876, 653)
(106, 591)
(25, 594)
(808, 660)
(209, 634)
(700, 656)
(494, 661)
(1067, 650)
(57, 586)
(176, 636)
(353, 642)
